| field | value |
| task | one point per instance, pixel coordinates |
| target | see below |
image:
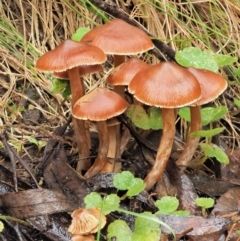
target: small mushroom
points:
(168, 86)
(212, 85)
(99, 105)
(119, 38)
(86, 221)
(68, 56)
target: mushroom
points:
(120, 78)
(169, 86)
(212, 85)
(68, 56)
(122, 75)
(86, 221)
(99, 105)
(119, 38)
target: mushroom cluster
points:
(165, 85)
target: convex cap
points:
(98, 105)
(70, 54)
(119, 38)
(166, 85)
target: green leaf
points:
(207, 133)
(58, 85)
(208, 114)
(146, 230)
(144, 121)
(205, 202)
(215, 151)
(1, 226)
(119, 230)
(236, 102)
(67, 91)
(138, 185)
(184, 113)
(155, 118)
(237, 72)
(33, 140)
(123, 180)
(80, 32)
(223, 60)
(211, 114)
(93, 200)
(167, 204)
(180, 213)
(110, 203)
(194, 57)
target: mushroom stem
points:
(118, 59)
(77, 91)
(164, 149)
(192, 142)
(102, 150)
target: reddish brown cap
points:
(83, 70)
(123, 74)
(165, 85)
(119, 38)
(85, 221)
(70, 54)
(212, 85)
(99, 104)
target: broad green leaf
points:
(215, 151)
(155, 118)
(119, 230)
(195, 57)
(144, 121)
(146, 230)
(123, 180)
(184, 113)
(110, 203)
(208, 114)
(80, 32)
(207, 133)
(93, 200)
(237, 102)
(58, 85)
(137, 186)
(211, 114)
(167, 204)
(223, 60)
(204, 202)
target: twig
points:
(13, 154)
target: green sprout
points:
(204, 203)
(40, 144)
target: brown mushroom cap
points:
(212, 85)
(123, 74)
(99, 104)
(83, 70)
(85, 221)
(119, 38)
(165, 85)
(70, 54)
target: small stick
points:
(12, 153)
